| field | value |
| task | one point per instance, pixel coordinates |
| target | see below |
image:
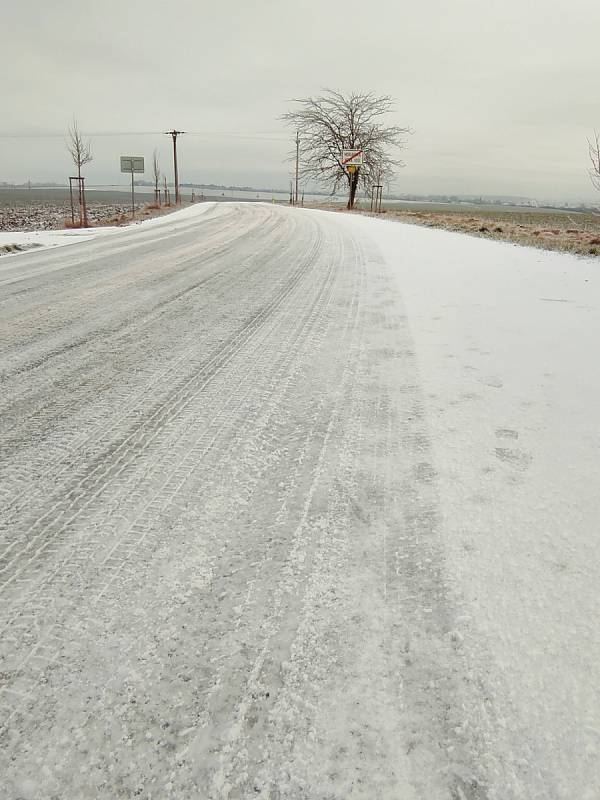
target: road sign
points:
(352, 158)
(132, 164)
(351, 168)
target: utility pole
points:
(297, 163)
(175, 134)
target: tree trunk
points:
(83, 219)
(353, 186)
(85, 216)
(79, 196)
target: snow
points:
(55, 238)
(37, 239)
(505, 338)
(296, 504)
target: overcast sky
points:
(501, 96)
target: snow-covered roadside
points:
(29, 240)
(506, 341)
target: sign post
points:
(352, 161)
(132, 164)
(376, 197)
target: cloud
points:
(485, 88)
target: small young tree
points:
(594, 150)
(156, 173)
(333, 122)
(81, 154)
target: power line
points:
(266, 136)
(84, 133)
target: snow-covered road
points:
(298, 506)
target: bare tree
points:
(333, 122)
(594, 150)
(81, 154)
(156, 173)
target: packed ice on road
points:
(296, 504)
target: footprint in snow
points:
(493, 381)
(516, 458)
(506, 433)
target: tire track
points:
(248, 682)
(85, 255)
(127, 402)
(121, 550)
(126, 451)
(94, 316)
(306, 651)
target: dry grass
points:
(146, 211)
(17, 248)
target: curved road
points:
(221, 574)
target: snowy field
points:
(298, 505)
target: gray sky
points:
(501, 96)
